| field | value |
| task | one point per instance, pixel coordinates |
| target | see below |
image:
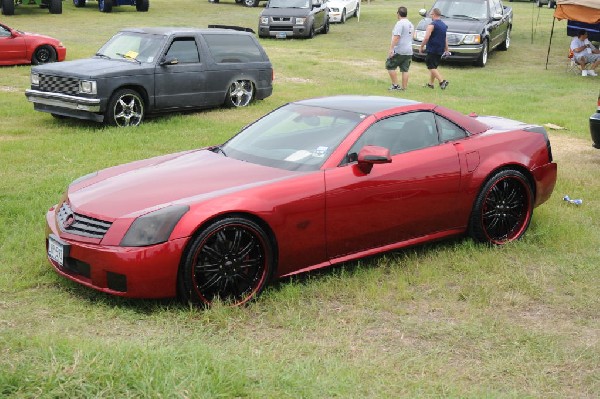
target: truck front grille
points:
(59, 84)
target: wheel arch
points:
(236, 78)
(233, 214)
(137, 88)
(509, 166)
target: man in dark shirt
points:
(436, 44)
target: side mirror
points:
(170, 60)
(370, 155)
(497, 17)
(423, 12)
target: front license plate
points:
(56, 250)
(280, 35)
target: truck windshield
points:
(134, 46)
(467, 9)
(289, 4)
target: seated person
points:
(584, 52)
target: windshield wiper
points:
(464, 16)
(218, 149)
(103, 56)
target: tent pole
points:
(550, 43)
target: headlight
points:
(153, 228)
(35, 79)
(334, 9)
(472, 39)
(87, 86)
(300, 21)
(419, 35)
(264, 20)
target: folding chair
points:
(572, 66)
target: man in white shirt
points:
(400, 52)
(584, 52)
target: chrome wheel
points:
(240, 93)
(126, 108)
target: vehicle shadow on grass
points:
(397, 258)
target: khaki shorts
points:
(398, 61)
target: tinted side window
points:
(400, 133)
(448, 130)
(233, 48)
(185, 50)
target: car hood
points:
(285, 12)
(456, 25)
(134, 189)
(29, 35)
(90, 68)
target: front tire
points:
(239, 94)
(251, 3)
(231, 260)
(142, 5)
(43, 55)
(326, 27)
(55, 7)
(483, 56)
(8, 7)
(105, 5)
(125, 108)
(503, 208)
(343, 17)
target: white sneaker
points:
(591, 72)
(584, 72)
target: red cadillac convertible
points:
(18, 47)
(311, 184)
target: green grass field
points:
(451, 319)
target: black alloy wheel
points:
(43, 55)
(503, 208)
(230, 261)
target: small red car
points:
(18, 47)
(312, 184)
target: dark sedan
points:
(312, 184)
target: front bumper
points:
(335, 16)
(467, 53)
(283, 31)
(64, 104)
(134, 272)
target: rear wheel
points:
(506, 43)
(79, 3)
(343, 17)
(240, 94)
(105, 5)
(325, 29)
(142, 5)
(357, 10)
(8, 7)
(251, 3)
(43, 55)
(231, 260)
(503, 208)
(55, 7)
(125, 108)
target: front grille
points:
(81, 225)
(454, 38)
(282, 19)
(59, 84)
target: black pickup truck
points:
(475, 27)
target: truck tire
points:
(506, 43)
(8, 7)
(251, 3)
(55, 7)
(79, 3)
(125, 108)
(483, 56)
(105, 5)
(142, 5)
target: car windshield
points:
(293, 137)
(467, 9)
(289, 4)
(133, 46)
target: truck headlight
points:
(264, 20)
(472, 39)
(154, 227)
(300, 21)
(87, 86)
(35, 79)
(419, 35)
